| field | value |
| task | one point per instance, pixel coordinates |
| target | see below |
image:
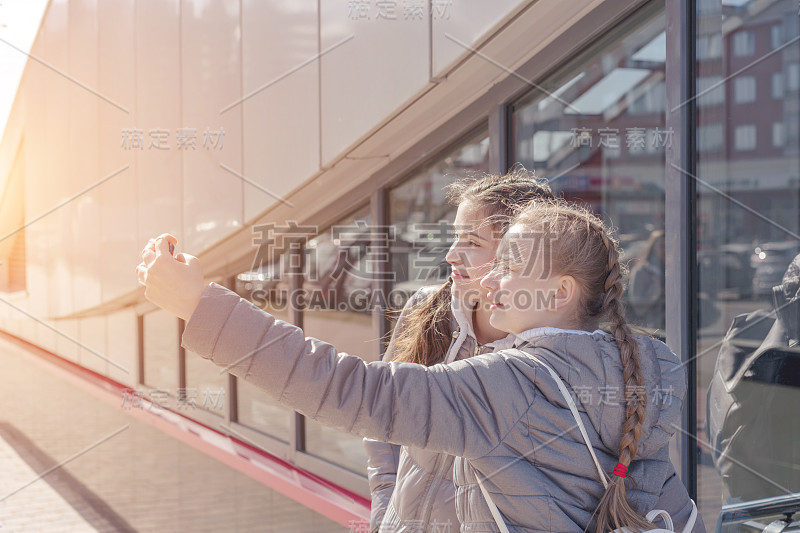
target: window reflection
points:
(744, 44)
(598, 134)
(342, 265)
(338, 282)
(206, 386)
(256, 410)
(748, 197)
(161, 352)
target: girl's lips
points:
(458, 275)
(494, 304)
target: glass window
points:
(777, 85)
(744, 89)
(793, 76)
(709, 46)
(744, 44)
(650, 102)
(161, 344)
(206, 386)
(256, 410)
(417, 209)
(748, 240)
(744, 137)
(778, 134)
(339, 277)
(776, 36)
(584, 136)
(710, 137)
(790, 25)
(792, 133)
(710, 90)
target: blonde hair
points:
(585, 249)
(427, 336)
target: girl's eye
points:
(503, 267)
(470, 242)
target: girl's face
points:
(473, 252)
(523, 292)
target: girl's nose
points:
(489, 281)
(453, 257)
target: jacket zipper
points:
(426, 511)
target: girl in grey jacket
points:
(499, 413)
(412, 488)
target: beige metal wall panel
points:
(119, 243)
(159, 191)
(459, 26)
(280, 76)
(54, 186)
(367, 78)
(210, 80)
(82, 164)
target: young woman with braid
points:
(501, 413)
(412, 488)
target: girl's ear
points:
(566, 291)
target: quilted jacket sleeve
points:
(382, 461)
(462, 408)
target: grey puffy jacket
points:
(412, 488)
(500, 413)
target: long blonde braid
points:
(614, 510)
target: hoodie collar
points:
(539, 332)
(464, 321)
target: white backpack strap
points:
(655, 513)
(692, 519)
(574, 409)
(492, 507)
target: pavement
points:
(41, 507)
(70, 462)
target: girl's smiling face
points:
(523, 291)
(472, 253)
